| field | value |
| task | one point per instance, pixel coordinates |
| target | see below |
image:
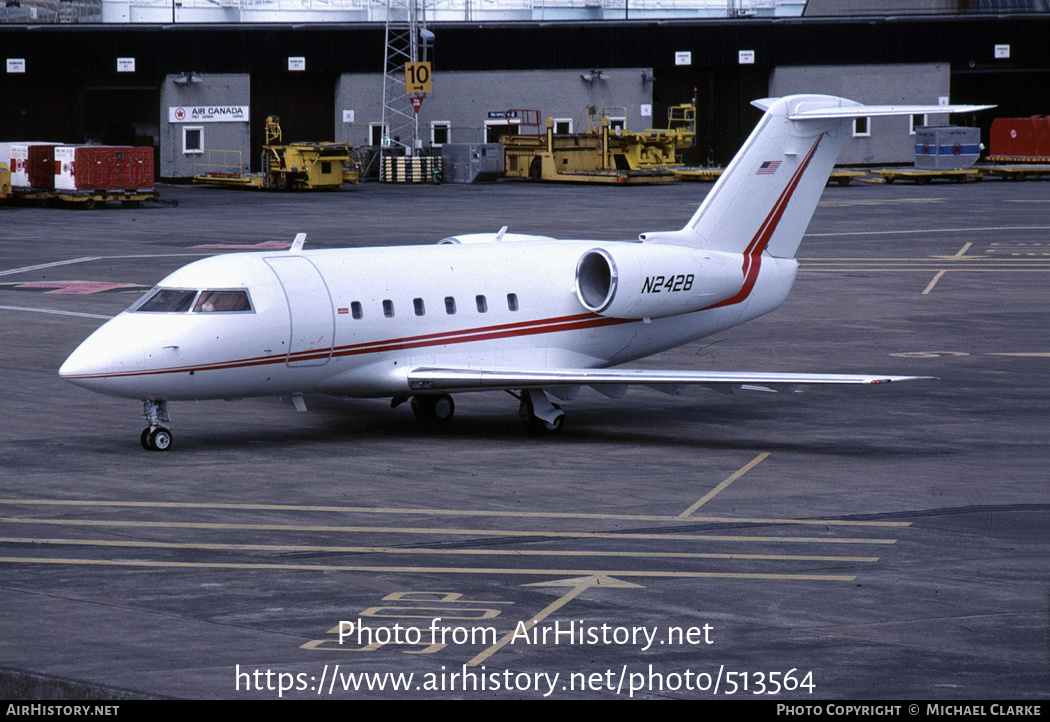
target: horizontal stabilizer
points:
(781, 171)
(862, 111)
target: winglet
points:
(499, 235)
(297, 244)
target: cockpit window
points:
(166, 300)
(222, 302)
(179, 300)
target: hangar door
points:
(305, 103)
(724, 114)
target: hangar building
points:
(140, 83)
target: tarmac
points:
(886, 542)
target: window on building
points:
(562, 126)
(861, 127)
(192, 140)
(917, 121)
(495, 128)
(440, 132)
(483, 305)
(376, 133)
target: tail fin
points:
(766, 197)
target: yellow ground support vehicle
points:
(296, 166)
(657, 147)
(577, 157)
(5, 181)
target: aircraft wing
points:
(613, 382)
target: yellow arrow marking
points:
(579, 586)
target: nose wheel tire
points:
(158, 439)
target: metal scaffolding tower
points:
(404, 21)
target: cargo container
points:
(1020, 138)
(17, 157)
(90, 168)
(471, 162)
(41, 166)
(947, 147)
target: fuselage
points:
(353, 322)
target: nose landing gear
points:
(156, 436)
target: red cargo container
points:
(1018, 138)
(40, 167)
(87, 168)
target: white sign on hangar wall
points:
(208, 114)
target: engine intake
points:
(654, 280)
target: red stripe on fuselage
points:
(752, 263)
(484, 333)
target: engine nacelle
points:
(654, 280)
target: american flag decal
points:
(769, 167)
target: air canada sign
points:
(208, 114)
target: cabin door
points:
(312, 320)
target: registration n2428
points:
(668, 284)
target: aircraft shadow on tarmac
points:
(679, 424)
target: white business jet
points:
(532, 315)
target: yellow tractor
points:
(302, 165)
(296, 166)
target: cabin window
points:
(417, 304)
(356, 311)
(222, 302)
(512, 301)
(450, 305)
(388, 308)
(166, 300)
(483, 305)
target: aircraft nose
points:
(80, 363)
(84, 364)
(97, 358)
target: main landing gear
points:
(535, 410)
(156, 436)
(538, 414)
(433, 409)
